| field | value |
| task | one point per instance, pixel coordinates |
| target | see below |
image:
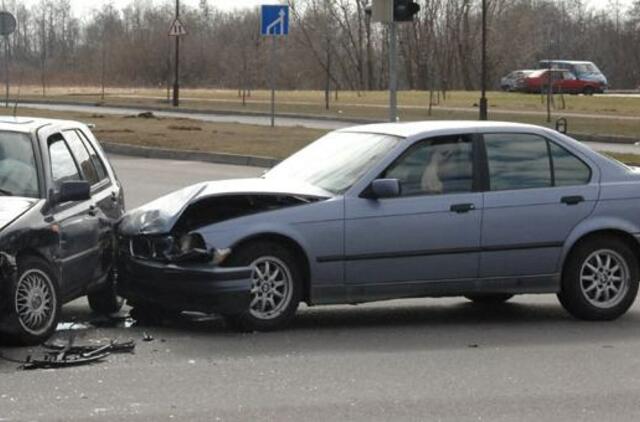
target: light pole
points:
(176, 82)
(484, 112)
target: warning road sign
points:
(177, 29)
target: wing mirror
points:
(73, 191)
(384, 188)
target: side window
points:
(517, 161)
(568, 170)
(95, 158)
(82, 155)
(436, 166)
(63, 166)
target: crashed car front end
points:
(181, 275)
(176, 271)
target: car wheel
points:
(275, 289)
(489, 299)
(588, 91)
(35, 309)
(105, 300)
(600, 280)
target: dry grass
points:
(186, 134)
(602, 110)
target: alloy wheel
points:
(35, 302)
(604, 278)
(271, 288)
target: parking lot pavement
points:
(422, 359)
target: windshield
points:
(18, 175)
(336, 161)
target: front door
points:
(430, 234)
(78, 222)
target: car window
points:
(436, 166)
(18, 174)
(568, 170)
(95, 158)
(517, 161)
(63, 166)
(82, 156)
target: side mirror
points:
(73, 191)
(385, 188)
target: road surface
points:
(419, 360)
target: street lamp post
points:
(176, 81)
(484, 112)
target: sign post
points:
(177, 30)
(7, 27)
(274, 23)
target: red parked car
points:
(561, 81)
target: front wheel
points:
(600, 281)
(105, 300)
(275, 289)
(36, 304)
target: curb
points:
(174, 154)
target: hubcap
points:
(604, 278)
(35, 302)
(270, 289)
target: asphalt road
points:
(421, 359)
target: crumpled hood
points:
(160, 215)
(13, 207)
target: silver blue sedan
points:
(433, 209)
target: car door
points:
(103, 206)
(431, 233)
(538, 192)
(78, 223)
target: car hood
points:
(160, 215)
(13, 207)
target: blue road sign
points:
(275, 20)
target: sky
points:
(83, 7)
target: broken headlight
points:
(152, 247)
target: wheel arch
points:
(294, 246)
(622, 234)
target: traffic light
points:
(404, 10)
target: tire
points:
(600, 279)
(489, 299)
(276, 290)
(35, 303)
(105, 301)
(589, 91)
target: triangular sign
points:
(177, 29)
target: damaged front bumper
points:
(197, 287)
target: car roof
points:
(567, 61)
(412, 129)
(29, 124)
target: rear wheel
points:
(35, 309)
(600, 280)
(489, 299)
(588, 91)
(276, 286)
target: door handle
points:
(462, 208)
(572, 200)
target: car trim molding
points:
(434, 252)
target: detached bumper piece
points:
(196, 287)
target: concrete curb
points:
(174, 154)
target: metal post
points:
(176, 82)
(549, 91)
(273, 81)
(327, 85)
(393, 73)
(6, 68)
(484, 106)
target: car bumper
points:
(197, 287)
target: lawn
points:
(601, 114)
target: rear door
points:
(538, 192)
